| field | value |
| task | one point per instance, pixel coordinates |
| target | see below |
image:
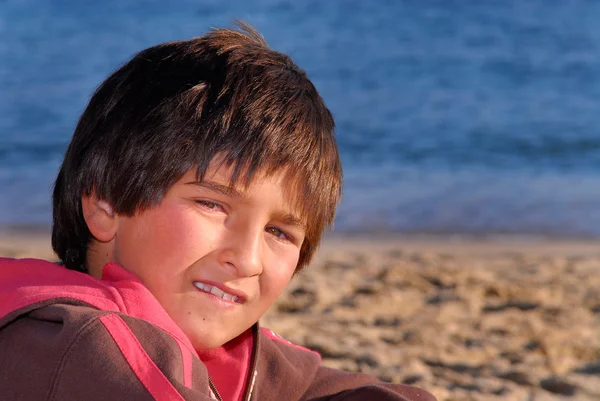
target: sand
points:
(494, 318)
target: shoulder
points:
(26, 262)
(359, 386)
(282, 343)
(108, 352)
(282, 367)
(297, 371)
(30, 261)
(37, 271)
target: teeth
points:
(215, 291)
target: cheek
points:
(159, 237)
(181, 236)
(175, 228)
(278, 277)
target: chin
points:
(208, 336)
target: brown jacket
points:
(67, 336)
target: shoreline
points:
(26, 242)
(466, 245)
(34, 241)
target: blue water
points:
(452, 116)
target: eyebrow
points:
(227, 190)
(291, 220)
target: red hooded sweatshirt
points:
(65, 335)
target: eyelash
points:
(209, 205)
(286, 236)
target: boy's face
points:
(215, 257)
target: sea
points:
(453, 117)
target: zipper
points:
(251, 373)
(250, 381)
(213, 388)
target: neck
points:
(98, 255)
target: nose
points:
(242, 252)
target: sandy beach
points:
(494, 318)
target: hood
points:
(24, 283)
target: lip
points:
(242, 297)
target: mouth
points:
(216, 291)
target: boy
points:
(199, 179)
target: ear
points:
(99, 217)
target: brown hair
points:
(176, 106)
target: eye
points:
(212, 206)
(279, 234)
